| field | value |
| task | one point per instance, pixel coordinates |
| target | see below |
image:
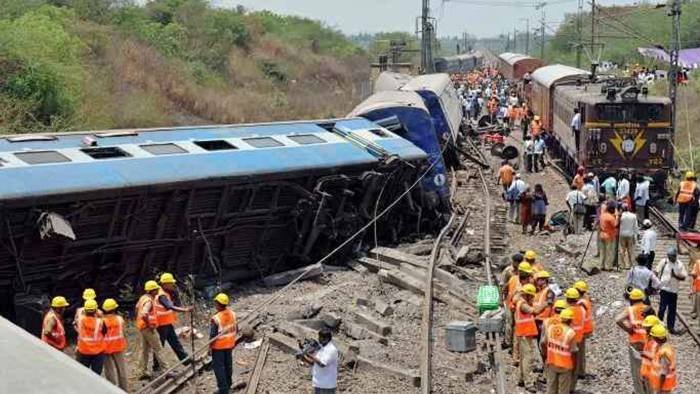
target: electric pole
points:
(542, 37)
(515, 42)
(592, 24)
(579, 30)
(675, 52)
(527, 35)
(426, 30)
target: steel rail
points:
(426, 326)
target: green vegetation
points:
(86, 64)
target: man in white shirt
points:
(648, 242)
(576, 127)
(529, 152)
(324, 370)
(590, 191)
(623, 190)
(641, 198)
(670, 272)
(577, 209)
(514, 191)
(628, 237)
(538, 149)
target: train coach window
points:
(105, 153)
(308, 139)
(263, 142)
(635, 113)
(163, 149)
(214, 145)
(43, 157)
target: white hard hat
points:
(517, 176)
(646, 223)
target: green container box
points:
(488, 298)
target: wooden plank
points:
(396, 257)
(286, 277)
(374, 366)
(374, 325)
(259, 366)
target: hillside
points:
(102, 64)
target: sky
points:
(454, 16)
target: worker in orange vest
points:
(630, 320)
(224, 328)
(578, 178)
(687, 199)
(52, 330)
(88, 294)
(531, 258)
(91, 341)
(514, 285)
(544, 296)
(663, 377)
(526, 332)
(147, 322)
(650, 347)
(536, 126)
(588, 326)
(508, 273)
(524, 115)
(115, 344)
(166, 317)
(559, 343)
(577, 323)
(695, 289)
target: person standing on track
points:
(539, 208)
(628, 237)
(515, 284)
(578, 178)
(525, 203)
(670, 272)
(575, 200)
(588, 326)
(561, 349)
(609, 185)
(648, 245)
(623, 190)
(536, 126)
(91, 332)
(695, 291)
(687, 200)
(224, 328)
(608, 236)
(539, 148)
(630, 320)
(641, 198)
(525, 119)
(529, 153)
(147, 322)
(577, 324)
(166, 317)
(510, 272)
(592, 199)
(641, 277)
(525, 332)
(115, 344)
(505, 175)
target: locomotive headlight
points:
(652, 148)
(603, 147)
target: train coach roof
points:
(550, 75)
(30, 366)
(59, 164)
(512, 58)
(460, 57)
(436, 83)
(388, 80)
(388, 99)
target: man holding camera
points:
(324, 364)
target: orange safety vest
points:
(90, 338)
(648, 353)
(670, 382)
(686, 192)
(150, 317)
(513, 287)
(513, 113)
(226, 324)
(578, 181)
(559, 342)
(555, 319)
(114, 340)
(58, 331)
(588, 323)
(540, 298)
(639, 334)
(577, 321)
(164, 316)
(524, 322)
(537, 267)
(696, 270)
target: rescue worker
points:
(531, 258)
(687, 200)
(526, 332)
(91, 342)
(559, 306)
(630, 320)
(559, 343)
(578, 178)
(508, 273)
(536, 126)
(577, 323)
(695, 289)
(166, 317)
(588, 327)
(88, 294)
(608, 236)
(525, 116)
(146, 322)
(505, 175)
(115, 344)
(544, 296)
(224, 327)
(650, 347)
(52, 330)
(514, 285)
(662, 376)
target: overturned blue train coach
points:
(223, 203)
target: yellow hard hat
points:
(561, 304)
(151, 285)
(89, 294)
(658, 331)
(525, 267)
(567, 314)
(530, 255)
(651, 321)
(529, 289)
(689, 175)
(636, 295)
(537, 117)
(542, 275)
(581, 286)
(109, 305)
(59, 302)
(572, 293)
(90, 305)
(222, 299)
(167, 278)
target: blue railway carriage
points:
(391, 81)
(111, 210)
(459, 63)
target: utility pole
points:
(592, 24)
(515, 42)
(675, 14)
(426, 29)
(542, 38)
(579, 30)
(527, 35)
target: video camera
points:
(307, 346)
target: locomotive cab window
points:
(635, 113)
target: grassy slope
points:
(96, 64)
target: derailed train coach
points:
(623, 128)
(225, 203)
(459, 63)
